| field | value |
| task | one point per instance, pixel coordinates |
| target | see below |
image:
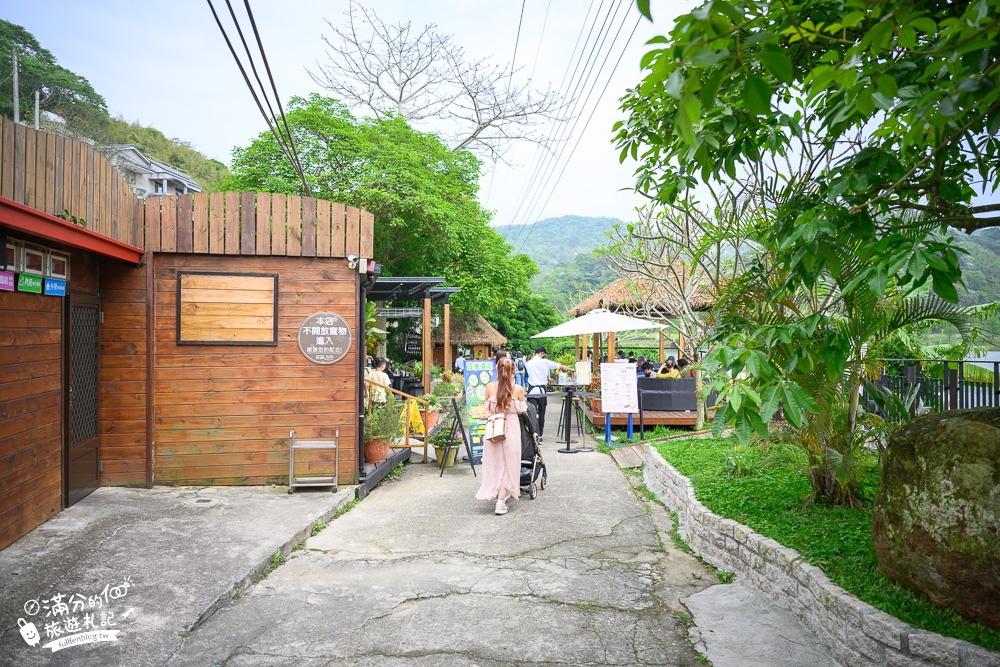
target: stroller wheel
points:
(541, 484)
(534, 491)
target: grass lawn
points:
(771, 500)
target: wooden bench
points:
(295, 482)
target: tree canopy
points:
(61, 91)
(428, 220)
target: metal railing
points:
(943, 385)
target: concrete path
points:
(420, 573)
(184, 552)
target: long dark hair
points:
(505, 382)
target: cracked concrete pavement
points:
(420, 573)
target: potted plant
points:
(445, 389)
(440, 442)
(383, 423)
(433, 412)
(595, 387)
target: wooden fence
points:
(256, 223)
(954, 390)
(53, 174)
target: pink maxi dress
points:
(501, 471)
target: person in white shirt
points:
(538, 369)
(460, 363)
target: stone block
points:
(977, 656)
(767, 548)
(862, 643)
(895, 659)
(934, 648)
(852, 609)
(848, 657)
(885, 629)
(785, 558)
(712, 520)
(727, 527)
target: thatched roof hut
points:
(631, 294)
(469, 330)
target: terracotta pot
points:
(431, 421)
(595, 405)
(450, 460)
(376, 450)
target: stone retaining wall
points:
(853, 631)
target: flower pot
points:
(431, 421)
(376, 450)
(595, 405)
(450, 459)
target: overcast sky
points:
(167, 66)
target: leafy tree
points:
(422, 194)
(61, 91)
(568, 283)
(519, 324)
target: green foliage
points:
(277, 560)
(566, 284)
(530, 316)
(446, 389)
(556, 241)
(836, 539)
(384, 422)
(207, 172)
(428, 220)
(63, 92)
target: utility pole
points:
(17, 111)
(36, 108)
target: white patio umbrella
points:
(600, 320)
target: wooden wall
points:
(222, 413)
(256, 223)
(31, 401)
(123, 374)
(53, 173)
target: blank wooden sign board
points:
(227, 308)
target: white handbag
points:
(496, 426)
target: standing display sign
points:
(619, 388)
(325, 338)
(478, 374)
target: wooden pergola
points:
(469, 330)
(628, 295)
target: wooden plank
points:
(309, 231)
(294, 243)
(79, 173)
(59, 166)
(263, 236)
(117, 228)
(50, 173)
(88, 187)
(232, 223)
(199, 204)
(353, 235)
(30, 166)
(248, 224)
(279, 223)
(367, 235)
(262, 284)
(631, 456)
(323, 231)
(139, 221)
(152, 219)
(168, 224)
(7, 164)
(338, 219)
(216, 238)
(185, 224)
(20, 134)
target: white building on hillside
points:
(146, 175)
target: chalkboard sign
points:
(478, 374)
(413, 344)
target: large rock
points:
(937, 511)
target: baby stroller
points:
(533, 472)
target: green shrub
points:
(445, 389)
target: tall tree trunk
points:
(700, 412)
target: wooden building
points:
(171, 340)
(472, 332)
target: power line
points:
(543, 173)
(580, 136)
(510, 80)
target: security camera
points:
(352, 262)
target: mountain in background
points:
(555, 241)
(563, 248)
(981, 267)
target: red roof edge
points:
(37, 223)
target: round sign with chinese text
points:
(325, 338)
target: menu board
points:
(619, 388)
(583, 372)
(478, 374)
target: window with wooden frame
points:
(32, 260)
(58, 265)
(227, 308)
(12, 256)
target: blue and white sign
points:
(55, 287)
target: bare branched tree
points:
(422, 75)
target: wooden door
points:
(81, 437)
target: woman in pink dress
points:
(501, 472)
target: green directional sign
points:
(26, 283)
